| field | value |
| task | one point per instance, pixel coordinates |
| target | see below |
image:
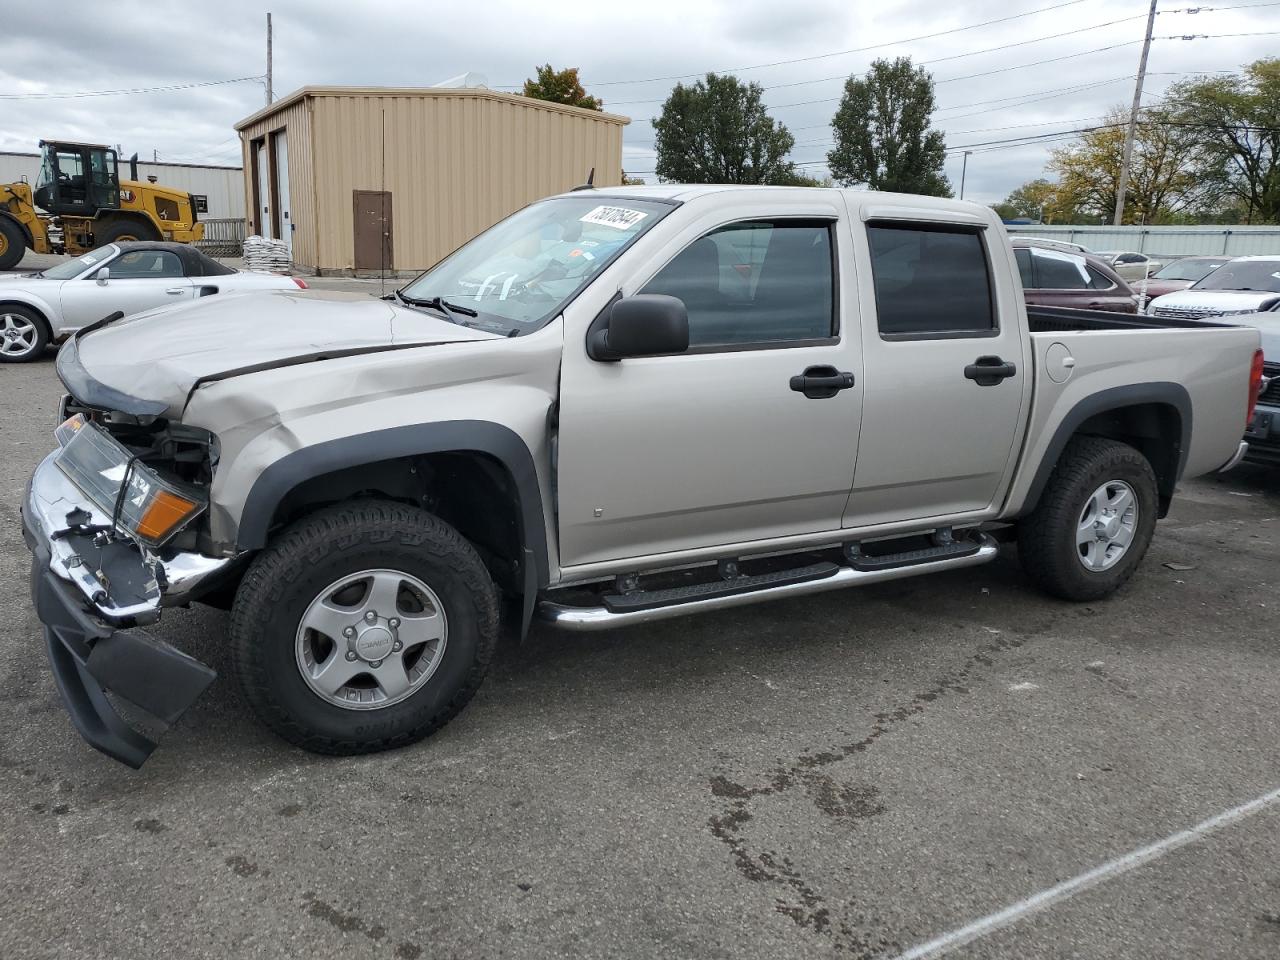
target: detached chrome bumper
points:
(118, 584)
(91, 596)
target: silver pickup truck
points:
(610, 408)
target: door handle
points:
(988, 371)
(822, 382)
(175, 291)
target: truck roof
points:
(857, 199)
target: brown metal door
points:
(373, 230)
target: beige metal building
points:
(365, 178)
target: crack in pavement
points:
(800, 898)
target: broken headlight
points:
(138, 499)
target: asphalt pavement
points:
(849, 775)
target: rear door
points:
(139, 280)
(946, 377)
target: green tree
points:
(882, 133)
(1238, 119)
(798, 178)
(717, 130)
(560, 86)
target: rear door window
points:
(1059, 271)
(931, 281)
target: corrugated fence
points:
(1236, 241)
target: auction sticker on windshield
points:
(620, 218)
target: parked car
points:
(1051, 278)
(1048, 243)
(1242, 285)
(580, 414)
(41, 308)
(1181, 273)
(1263, 432)
(1131, 266)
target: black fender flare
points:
(1104, 401)
(456, 436)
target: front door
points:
(724, 443)
(373, 230)
(139, 280)
(281, 174)
(947, 375)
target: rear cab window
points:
(932, 281)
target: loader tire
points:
(13, 244)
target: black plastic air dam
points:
(88, 659)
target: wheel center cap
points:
(374, 643)
(1108, 528)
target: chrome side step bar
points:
(577, 618)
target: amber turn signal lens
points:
(165, 511)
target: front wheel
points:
(23, 334)
(1094, 521)
(363, 627)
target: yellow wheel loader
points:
(85, 204)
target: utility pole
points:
(1123, 187)
(269, 97)
(964, 167)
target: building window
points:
(202, 202)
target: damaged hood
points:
(149, 363)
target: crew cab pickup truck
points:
(610, 408)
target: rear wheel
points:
(23, 334)
(1094, 521)
(363, 627)
(13, 244)
(122, 231)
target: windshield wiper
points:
(440, 304)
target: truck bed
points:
(1054, 319)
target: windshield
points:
(1188, 270)
(1261, 275)
(73, 268)
(519, 273)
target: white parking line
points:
(1069, 888)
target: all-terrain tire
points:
(318, 550)
(13, 244)
(1047, 538)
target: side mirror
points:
(102, 276)
(640, 326)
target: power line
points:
(124, 92)
(836, 53)
(954, 56)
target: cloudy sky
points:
(1043, 81)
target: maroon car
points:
(1053, 278)
(1181, 274)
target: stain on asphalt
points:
(841, 801)
(354, 923)
(150, 825)
(290, 810)
(241, 866)
(844, 802)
